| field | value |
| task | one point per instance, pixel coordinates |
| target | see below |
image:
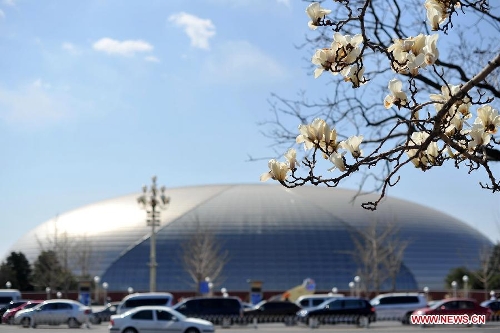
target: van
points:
(8, 295)
(398, 306)
(309, 301)
(141, 299)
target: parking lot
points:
(280, 328)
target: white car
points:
(54, 312)
(148, 319)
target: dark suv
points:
(219, 310)
(349, 310)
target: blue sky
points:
(97, 96)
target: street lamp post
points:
(97, 279)
(426, 292)
(8, 284)
(105, 286)
(465, 278)
(357, 279)
(351, 287)
(152, 201)
(47, 290)
(454, 286)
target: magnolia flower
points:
(421, 159)
(436, 12)
(291, 157)
(354, 75)
(312, 134)
(278, 171)
(489, 118)
(315, 12)
(352, 144)
(430, 49)
(479, 136)
(323, 58)
(397, 96)
(338, 161)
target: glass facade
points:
(276, 235)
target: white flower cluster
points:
(485, 124)
(413, 53)
(318, 135)
(341, 58)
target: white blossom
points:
(338, 161)
(291, 157)
(278, 171)
(352, 144)
(489, 118)
(316, 12)
(397, 96)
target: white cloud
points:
(11, 3)
(242, 62)
(151, 59)
(71, 48)
(122, 48)
(2, 14)
(198, 30)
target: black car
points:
(350, 310)
(272, 312)
(223, 311)
(104, 315)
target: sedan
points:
(455, 306)
(54, 312)
(148, 319)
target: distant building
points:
(276, 235)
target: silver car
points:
(149, 319)
(54, 312)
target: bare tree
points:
(439, 108)
(202, 256)
(487, 269)
(73, 254)
(379, 254)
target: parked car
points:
(398, 306)
(155, 319)
(11, 305)
(140, 299)
(8, 316)
(272, 312)
(104, 314)
(494, 306)
(309, 301)
(54, 312)
(455, 306)
(350, 310)
(219, 310)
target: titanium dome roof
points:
(277, 235)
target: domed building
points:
(273, 234)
